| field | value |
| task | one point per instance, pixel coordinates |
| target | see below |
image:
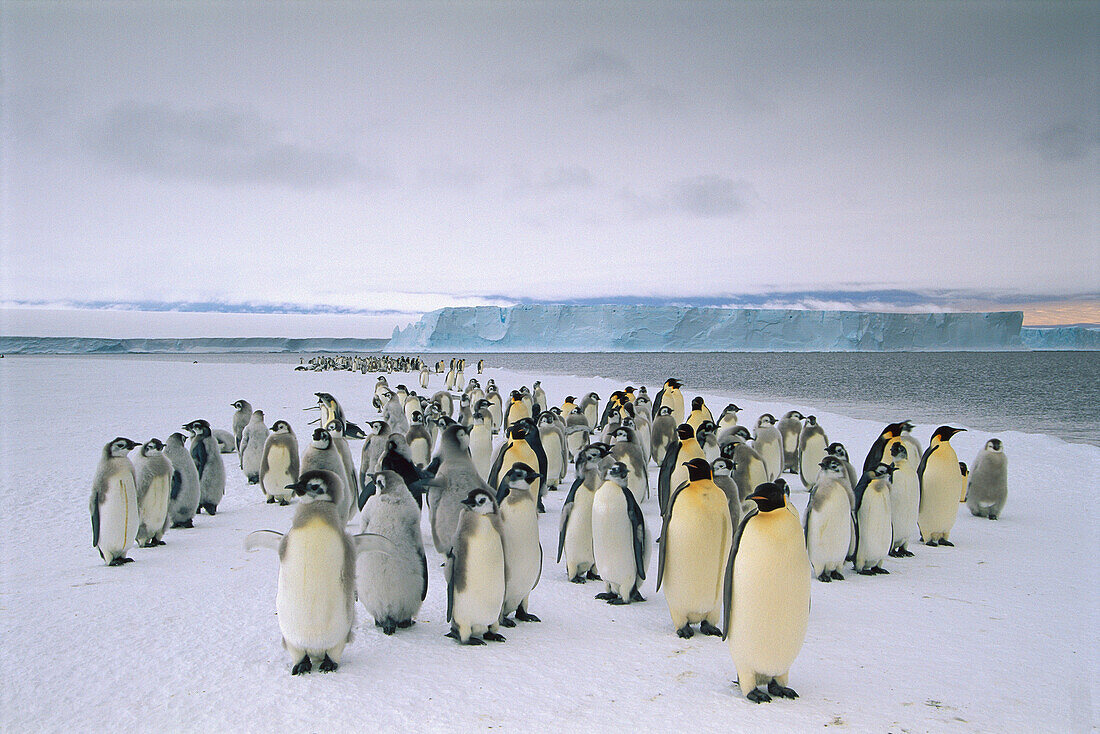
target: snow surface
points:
(995, 635)
(617, 328)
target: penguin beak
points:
(298, 488)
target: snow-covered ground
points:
(997, 634)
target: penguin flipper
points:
(448, 573)
(664, 478)
(498, 462)
(177, 484)
(657, 403)
(423, 574)
(95, 519)
(924, 462)
(727, 586)
(198, 453)
(566, 510)
(263, 539)
(663, 540)
(365, 493)
(637, 524)
(353, 431)
(374, 543)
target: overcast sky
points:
(408, 156)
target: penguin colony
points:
(733, 557)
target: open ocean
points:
(1056, 393)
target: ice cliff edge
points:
(621, 328)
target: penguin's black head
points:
(603, 448)
(767, 419)
(962, 468)
(617, 473)
(769, 497)
(832, 464)
(731, 408)
(812, 419)
(697, 403)
(994, 444)
(723, 466)
(729, 450)
(571, 399)
(481, 502)
(705, 429)
(741, 432)
(699, 469)
(629, 390)
(524, 390)
(837, 449)
(281, 427)
(517, 431)
(628, 422)
(322, 438)
(897, 450)
(317, 485)
(664, 410)
(119, 447)
(465, 399)
(593, 397)
(795, 414)
(153, 445)
(176, 438)
(515, 396)
(881, 470)
(684, 432)
(403, 389)
(335, 426)
(198, 428)
(546, 417)
(620, 435)
(673, 383)
(907, 426)
(483, 403)
(521, 473)
(417, 416)
(944, 433)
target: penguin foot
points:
(686, 632)
(452, 634)
(148, 543)
(270, 500)
(493, 637)
(901, 553)
(879, 570)
(866, 572)
(992, 517)
(506, 622)
(389, 627)
(837, 575)
(617, 601)
(635, 596)
(523, 615)
(253, 480)
(948, 543)
(120, 561)
(578, 579)
(932, 543)
(758, 696)
(404, 624)
(328, 665)
(158, 541)
(782, 691)
(709, 629)
(593, 575)
(211, 509)
(305, 665)
(607, 595)
(283, 502)
(824, 577)
(542, 507)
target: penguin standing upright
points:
(241, 418)
(183, 501)
(113, 504)
(590, 406)
(722, 468)
(322, 454)
(521, 447)
(878, 453)
(336, 430)
(475, 572)
(625, 448)
(577, 431)
(459, 477)
(153, 472)
(811, 450)
(828, 521)
(519, 532)
(728, 417)
(663, 434)
(252, 446)
(695, 542)
(749, 470)
(315, 603)
(575, 530)
(279, 465)
(768, 442)
(837, 449)
(790, 427)
(674, 466)
(208, 462)
(904, 500)
(699, 413)
(671, 396)
(420, 440)
(481, 442)
(620, 539)
(552, 438)
(987, 489)
(767, 596)
(539, 396)
(874, 519)
(941, 485)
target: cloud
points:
(594, 62)
(549, 180)
(1064, 141)
(445, 173)
(708, 197)
(218, 146)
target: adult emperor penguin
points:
(279, 466)
(728, 417)
(620, 539)
(153, 472)
(575, 530)
(987, 488)
(113, 505)
(519, 522)
(625, 448)
(392, 587)
(520, 448)
(671, 396)
(878, 453)
(183, 501)
(322, 454)
(460, 478)
(941, 485)
(790, 426)
(515, 410)
(663, 434)
(315, 602)
(767, 596)
(552, 437)
(695, 542)
(240, 420)
(722, 469)
(699, 413)
(590, 406)
(811, 450)
(208, 462)
(252, 446)
(828, 521)
(569, 405)
(768, 442)
(577, 431)
(475, 571)
(904, 500)
(874, 518)
(674, 465)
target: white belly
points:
(277, 477)
(696, 551)
(829, 532)
(481, 450)
(904, 502)
(154, 505)
(578, 534)
(118, 516)
(812, 454)
(312, 605)
(555, 467)
(522, 554)
(612, 539)
(479, 604)
(772, 454)
(939, 494)
(875, 529)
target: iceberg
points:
(644, 328)
(199, 345)
(1068, 338)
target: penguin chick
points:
(183, 501)
(113, 504)
(208, 462)
(987, 489)
(475, 571)
(620, 540)
(520, 535)
(252, 446)
(153, 473)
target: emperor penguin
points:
(767, 596)
(516, 410)
(790, 427)
(828, 521)
(878, 453)
(987, 489)
(113, 504)
(671, 396)
(575, 529)
(227, 442)
(465, 410)
(699, 413)
(412, 407)
(577, 431)
(322, 454)
(625, 448)
(279, 466)
(315, 603)
(811, 450)
(420, 441)
(728, 417)
(520, 448)
(590, 406)
(707, 436)
(183, 501)
(837, 449)
(749, 469)
(569, 405)
(481, 442)
(370, 458)
(674, 465)
(874, 518)
(941, 485)
(153, 472)
(208, 462)
(695, 542)
(337, 431)
(539, 395)
(768, 442)
(663, 434)
(393, 412)
(480, 365)
(620, 539)
(240, 420)
(475, 571)
(722, 469)
(643, 427)
(252, 446)
(611, 410)
(380, 386)
(424, 373)
(459, 478)
(496, 407)
(392, 587)
(519, 532)
(552, 437)
(904, 500)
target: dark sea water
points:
(1056, 393)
